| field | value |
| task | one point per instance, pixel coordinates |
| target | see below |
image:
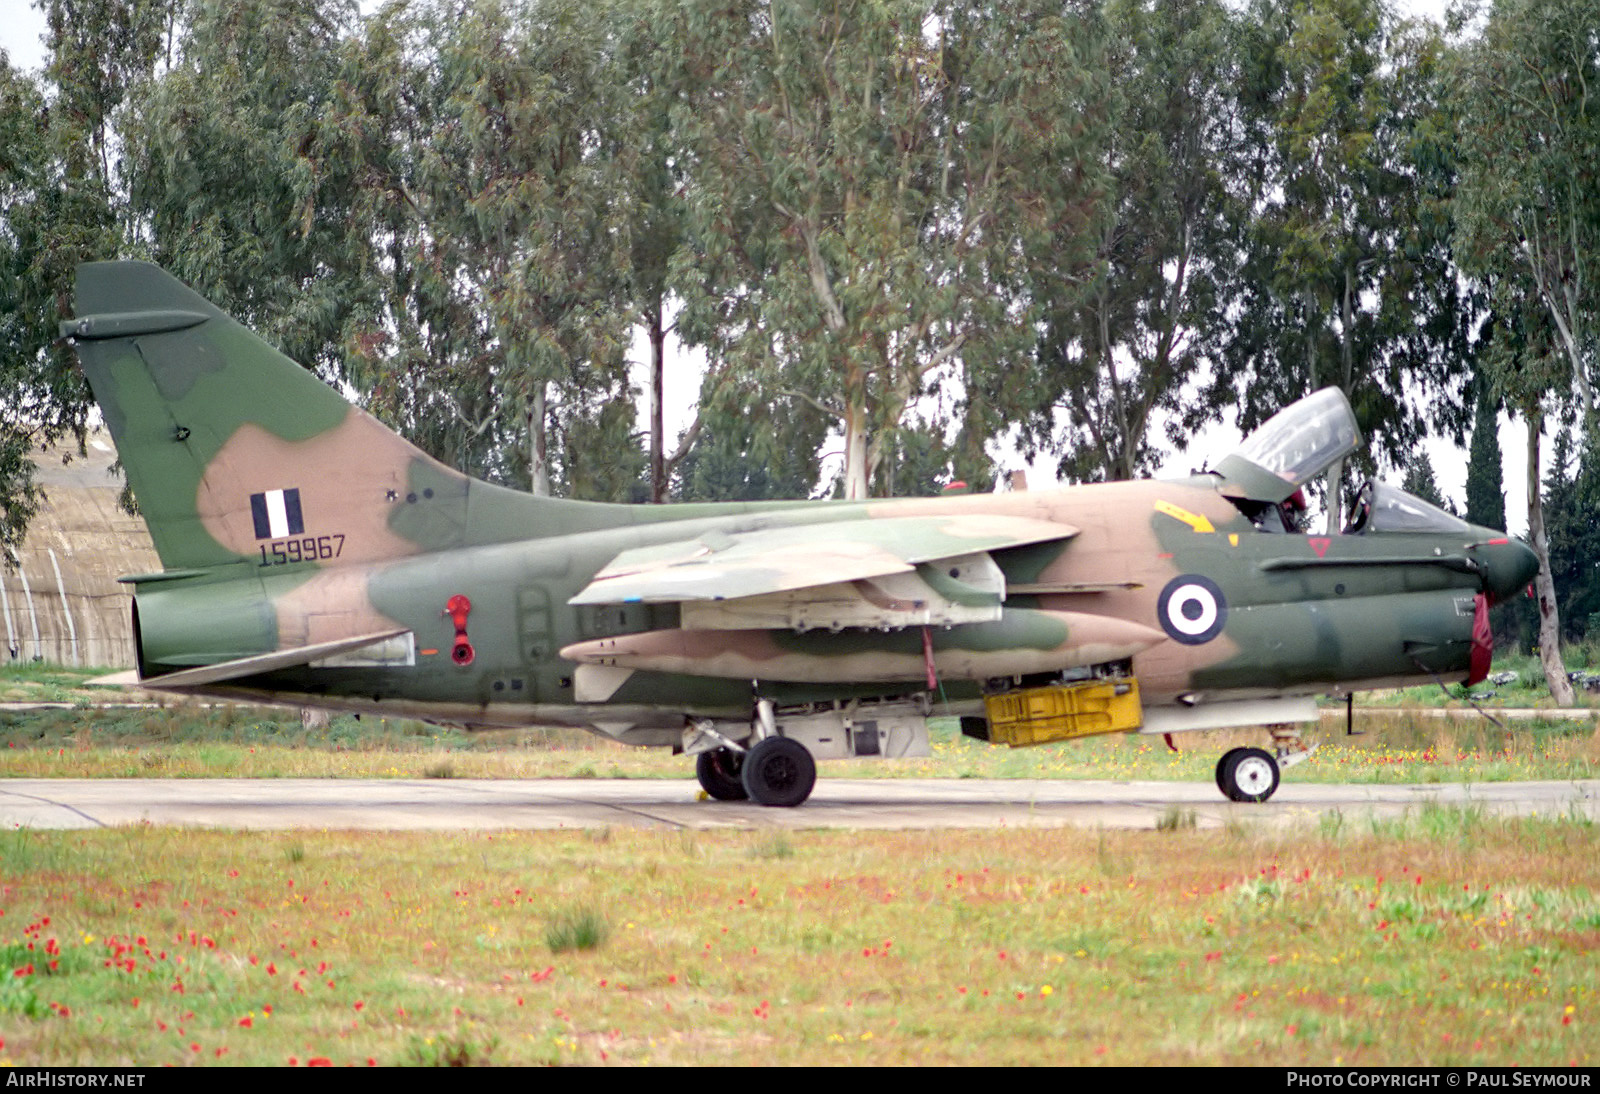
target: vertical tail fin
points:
(235, 453)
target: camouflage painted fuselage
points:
(312, 556)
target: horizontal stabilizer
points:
(265, 662)
(726, 567)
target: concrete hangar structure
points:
(60, 600)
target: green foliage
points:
(243, 180)
(900, 230)
(1341, 200)
(921, 463)
(1572, 498)
(1530, 213)
(1486, 496)
(1530, 201)
(1419, 480)
(871, 182)
(1123, 335)
(56, 210)
(450, 1050)
(576, 929)
(760, 454)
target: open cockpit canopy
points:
(1291, 448)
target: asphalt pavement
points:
(445, 804)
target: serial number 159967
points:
(305, 549)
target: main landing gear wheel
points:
(779, 771)
(718, 772)
(1222, 766)
(1248, 775)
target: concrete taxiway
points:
(394, 805)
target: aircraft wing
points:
(870, 572)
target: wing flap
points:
(718, 566)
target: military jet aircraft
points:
(311, 556)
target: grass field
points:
(1395, 745)
(1448, 938)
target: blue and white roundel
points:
(1192, 609)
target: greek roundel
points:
(1192, 609)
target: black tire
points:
(718, 772)
(779, 771)
(1251, 776)
(1222, 768)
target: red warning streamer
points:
(1482, 641)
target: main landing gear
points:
(779, 771)
(773, 771)
(767, 769)
(772, 758)
(719, 772)
(1252, 774)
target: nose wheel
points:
(1247, 775)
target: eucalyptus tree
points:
(519, 203)
(650, 181)
(871, 185)
(100, 52)
(241, 183)
(1528, 369)
(25, 185)
(1530, 214)
(1344, 226)
(501, 240)
(1530, 85)
(60, 204)
(1572, 492)
(1124, 336)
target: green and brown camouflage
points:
(312, 556)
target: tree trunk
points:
(856, 484)
(1544, 586)
(538, 442)
(658, 367)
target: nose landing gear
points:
(1247, 775)
(1252, 774)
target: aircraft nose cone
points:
(1509, 564)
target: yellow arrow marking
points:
(1194, 520)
